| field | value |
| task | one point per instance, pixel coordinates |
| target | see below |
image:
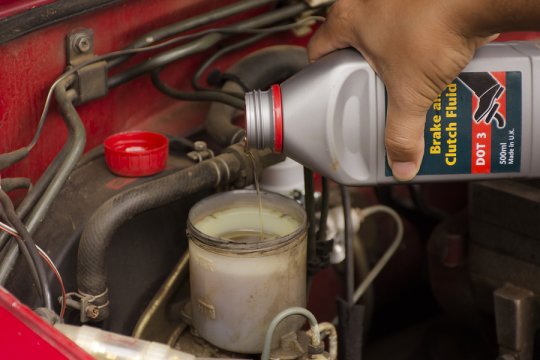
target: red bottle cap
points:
(136, 153)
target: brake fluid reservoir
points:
(241, 277)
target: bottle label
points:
(474, 126)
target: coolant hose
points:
(233, 166)
(258, 70)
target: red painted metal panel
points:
(12, 7)
(23, 335)
(31, 63)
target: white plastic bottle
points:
(331, 117)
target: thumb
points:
(326, 39)
(404, 139)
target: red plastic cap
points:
(136, 153)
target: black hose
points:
(189, 24)
(30, 245)
(10, 184)
(98, 232)
(323, 219)
(257, 70)
(349, 254)
(233, 47)
(205, 95)
(206, 42)
(309, 204)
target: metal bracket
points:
(91, 79)
(84, 303)
(514, 316)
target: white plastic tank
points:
(240, 279)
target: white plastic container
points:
(238, 281)
(331, 117)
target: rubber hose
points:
(257, 71)
(99, 231)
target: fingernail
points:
(404, 171)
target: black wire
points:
(309, 199)
(191, 48)
(26, 254)
(325, 199)
(214, 96)
(30, 245)
(349, 255)
(238, 45)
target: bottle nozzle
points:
(264, 119)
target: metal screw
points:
(92, 311)
(82, 43)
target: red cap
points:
(136, 153)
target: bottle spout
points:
(264, 120)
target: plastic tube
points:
(314, 327)
(361, 289)
(328, 329)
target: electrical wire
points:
(8, 159)
(238, 45)
(213, 96)
(191, 23)
(28, 241)
(8, 229)
(29, 259)
(394, 246)
(212, 37)
(314, 327)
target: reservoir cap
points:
(136, 153)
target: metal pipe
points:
(64, 98)
(189, 24)
(205, 43)
(314, 327)
(9, 184)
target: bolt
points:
(92, 311)
(82, 43)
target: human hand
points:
(417, 47)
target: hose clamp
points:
(85, 303)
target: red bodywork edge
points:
(24, 335)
